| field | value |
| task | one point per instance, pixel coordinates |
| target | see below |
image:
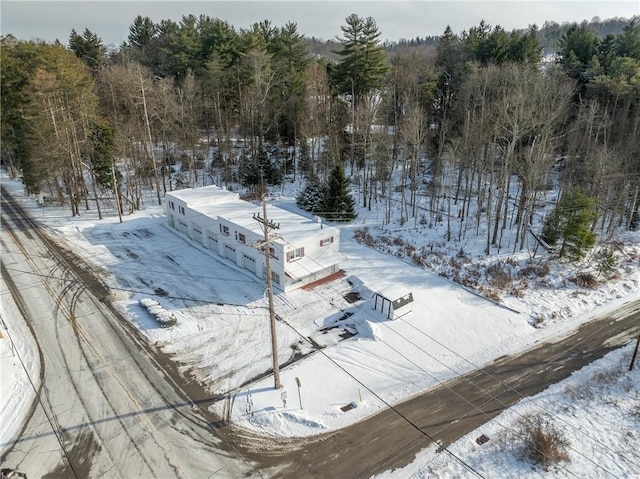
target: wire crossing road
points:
(105, 406)
(392, 438)
(111, 406)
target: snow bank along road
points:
(110, 405)
(105, 405)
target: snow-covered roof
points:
(394, 292)
(204, 195)
(292, 227)
(234, 211)
(216, 202)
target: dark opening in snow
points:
(352, 297)
(348, 407)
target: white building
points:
(305, 250)
(394, 301)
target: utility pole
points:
(635, 353)
(267, 227)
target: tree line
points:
(456, 129)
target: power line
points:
(479, 408)
(386, 403)
(55, 431)
(480, 369)
(388, 346)
(508, 386)
(389, 405)
(149, 293)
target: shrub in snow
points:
(162, 316)
(532, 269)
(607, 377)
(499, 275)
(489, 294)
(544, 444)
(519, 292)
(362, 235)
(606, 261)
(538, 321)
(586, 280)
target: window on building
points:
(272, 252)
(275, 277)
(326, 241)
(181, 208)
(295, 254)
(242, 238)
(173, 206)
(225, 230)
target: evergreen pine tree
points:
(605, 261)
(362, 68)
(102, 148)
(338, 203)
(89, 48)
(571, 223)
(311, 198)
(577, 46)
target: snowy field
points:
(338, 351)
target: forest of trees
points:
(469, 121)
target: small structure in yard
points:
(394, 301)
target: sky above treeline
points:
(51, 20)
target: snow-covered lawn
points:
(597, 410)
(342, 360)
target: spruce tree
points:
(362, 68)
(338, 203)
(101, 144)
(577, 47)
(89, 48)
(570, 224)
(311, 198)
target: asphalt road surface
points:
(107, 406)
(110, 405)
(392, 438)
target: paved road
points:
(391, 439)
(112, 406)
(107, 407)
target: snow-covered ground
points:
(597, 410)
(19, 368)
(366, 361)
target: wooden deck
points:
(325, 280)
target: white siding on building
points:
(218, 219)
